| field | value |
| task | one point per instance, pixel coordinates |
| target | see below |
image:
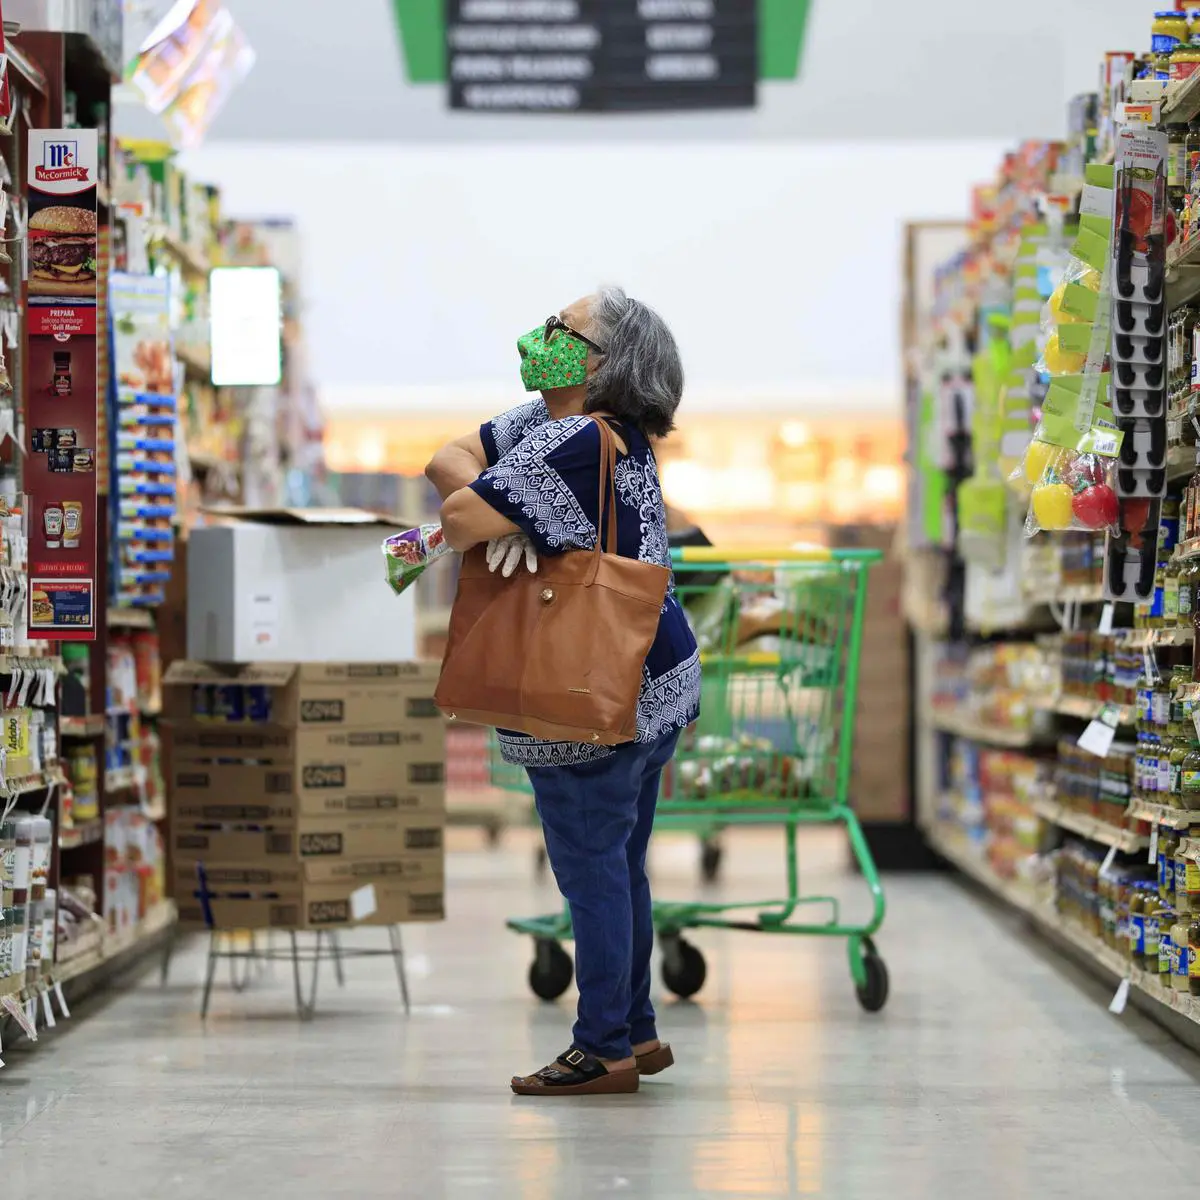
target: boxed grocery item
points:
(306, 694)
(351, 836)
(243, 793)
(319, 760)
(304, 905)
(293, 585)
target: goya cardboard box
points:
(240, 793)
(302, 905)
(357, 836)
(321, 761)
(303, 695)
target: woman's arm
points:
(467, 520)
(456, 465)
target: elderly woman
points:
(527, 484)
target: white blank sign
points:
(246, 326)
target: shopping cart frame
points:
(684, 968)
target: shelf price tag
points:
(1107, 613)
(1152, 857)
(62, 1000)
(47, 1010)
(1108, 859)
(1097, 738)
(1118, 1002)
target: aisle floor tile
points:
(994, 1072)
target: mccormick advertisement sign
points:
(60, 384)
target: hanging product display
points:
(144, 458)
(60, 383)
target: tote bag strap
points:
(607, 488)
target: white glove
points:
(504, 554)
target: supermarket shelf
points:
(130, 618)
(993, 735)
(1158, 637)
(81, 727)
(28, 662)
(1088, 710)
(31, 74)
(195, 362)
(1162, 814)
(1181, 461)
(1091, 828)
(117, 779)
(955, 849)
(1049, 922)
(35, 783)
(86, 834)
(1182, 103)
(112, 946)
(181, 253)
(1069, 593)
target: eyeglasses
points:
(554, 324)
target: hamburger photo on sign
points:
(62, 251)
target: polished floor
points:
(993, 1072)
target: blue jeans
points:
(597, 818)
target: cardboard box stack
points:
(305, 796)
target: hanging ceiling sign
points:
(601, 56)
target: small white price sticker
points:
(1097, 738)
(1107, 613)
(1153, 855)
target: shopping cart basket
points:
(780, 636)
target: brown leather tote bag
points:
(556, 655)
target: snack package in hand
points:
(407, 554)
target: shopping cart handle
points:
(770, 554)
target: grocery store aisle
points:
(988, 1062)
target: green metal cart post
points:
(780, 635)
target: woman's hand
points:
(504, 554)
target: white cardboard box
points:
(295, 585)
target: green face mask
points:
(558, 363)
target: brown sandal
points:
(655, 1061)
(576, 1073)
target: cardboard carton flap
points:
(308, 516)
(263, 674)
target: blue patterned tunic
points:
(543, 476)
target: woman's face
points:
(578, 315)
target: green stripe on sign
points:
(781, 26)
(422, 27)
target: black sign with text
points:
(601, 55)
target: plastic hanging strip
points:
(1085, 412)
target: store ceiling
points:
(874, 69)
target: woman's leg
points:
(588, 813)
(642, 1028)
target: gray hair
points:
(640, 377)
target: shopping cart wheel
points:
(874, 993)
(683, 968)
(551, 971)
(710, 860)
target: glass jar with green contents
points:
(1181, 676)
(1168, 844)
(1189, 783)
(1179, 752)
(1179, 865)
(1138, 900)
(1179, 955)
(1166, 922)
(1187, 592)
(1151, 917)
(1171, 594)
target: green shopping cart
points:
(780, 634)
